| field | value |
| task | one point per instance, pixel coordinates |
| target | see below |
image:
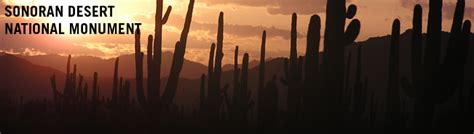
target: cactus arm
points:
(167, 15)
(351, 11)
(187, 25)
(352, 32)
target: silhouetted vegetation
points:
(320, 91)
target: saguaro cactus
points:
(433, 81)
(160, 20)
(178, 58)
(214, 91)
(311, 69)
(236, 91)
(241, 103)
(261, 81)
(115, 84)
(139, 68)
(393, 113)
(303, 90)
(154, 60)
(333, 69)
(293, 77)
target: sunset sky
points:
(244, 22)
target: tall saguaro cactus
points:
(261, 81)
(393, 112)
(178, 59)
(241, 103)
(292, 77)
(303, 90)
(434, 81)
(333, 69)
(235, 98)
(115, 84)
(214, 97)
(160, 20)
(154, 60)
(139, 68)
(311, 69)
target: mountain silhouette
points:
(87, 65)
(33, 70)
(20, 77)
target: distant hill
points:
(375, 53)
(19, 77)
(87, 65)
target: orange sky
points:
(245, 20)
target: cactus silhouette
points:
(215, 98)
(154, 61)
(311, 69)
(178, 59)
(293, 77)
(333, 59)
(241, 103)
(393, 113)
(434, 81)
(139, 68)
(261, 82)
(155, 68)
(322, 92)
(233, 105)
(115, 85)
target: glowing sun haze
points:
(244, 22)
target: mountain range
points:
(29, 75)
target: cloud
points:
(448, 7)
(451, 6)
(284, 7)
(242, 31)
